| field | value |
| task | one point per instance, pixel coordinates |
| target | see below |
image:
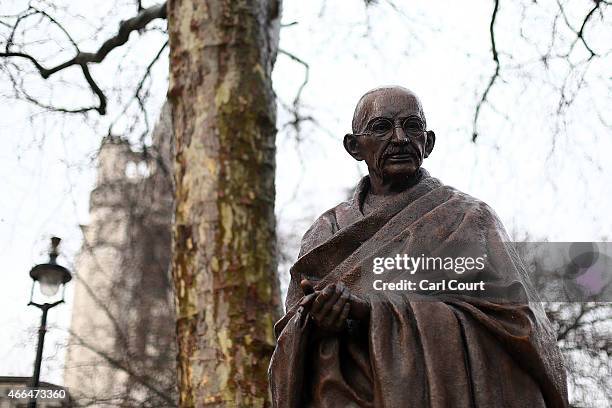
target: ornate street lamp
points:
(49, 276)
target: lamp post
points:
(50, 276)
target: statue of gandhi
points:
(342, 343)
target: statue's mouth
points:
(401, 157)
(398, 154)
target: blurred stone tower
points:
(122, 342)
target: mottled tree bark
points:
(224, 250)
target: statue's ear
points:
(430, 142)
(350, 144)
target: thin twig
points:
(298, 96)
(144, 17)
(495, 75)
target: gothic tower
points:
(122, 340)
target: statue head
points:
(389, 133)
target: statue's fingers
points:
(336, 308)
(319, 302)
(329, 289)
(330, 302)
(321, 299)
(339, 323)
(307, 301)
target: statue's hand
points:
(331, 307)
(358, 308)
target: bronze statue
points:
(344, 342)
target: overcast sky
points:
(441, 50)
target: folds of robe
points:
(417, 350)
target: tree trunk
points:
(224, 242)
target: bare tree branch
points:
(495, 75)
(584, 23)
(82, 59)
(574, 79)
(580, 33)
(295, 110)
(139, 98)
(20, 92)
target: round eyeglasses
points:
(383, 127)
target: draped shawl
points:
(416, 350)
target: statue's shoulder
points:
(469, 204)
(326, 225)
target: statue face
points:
(389, 134)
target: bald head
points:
(384, 102)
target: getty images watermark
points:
(559, 271)
(405, 264)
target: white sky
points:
(441, 50)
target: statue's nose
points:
(399, 136)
